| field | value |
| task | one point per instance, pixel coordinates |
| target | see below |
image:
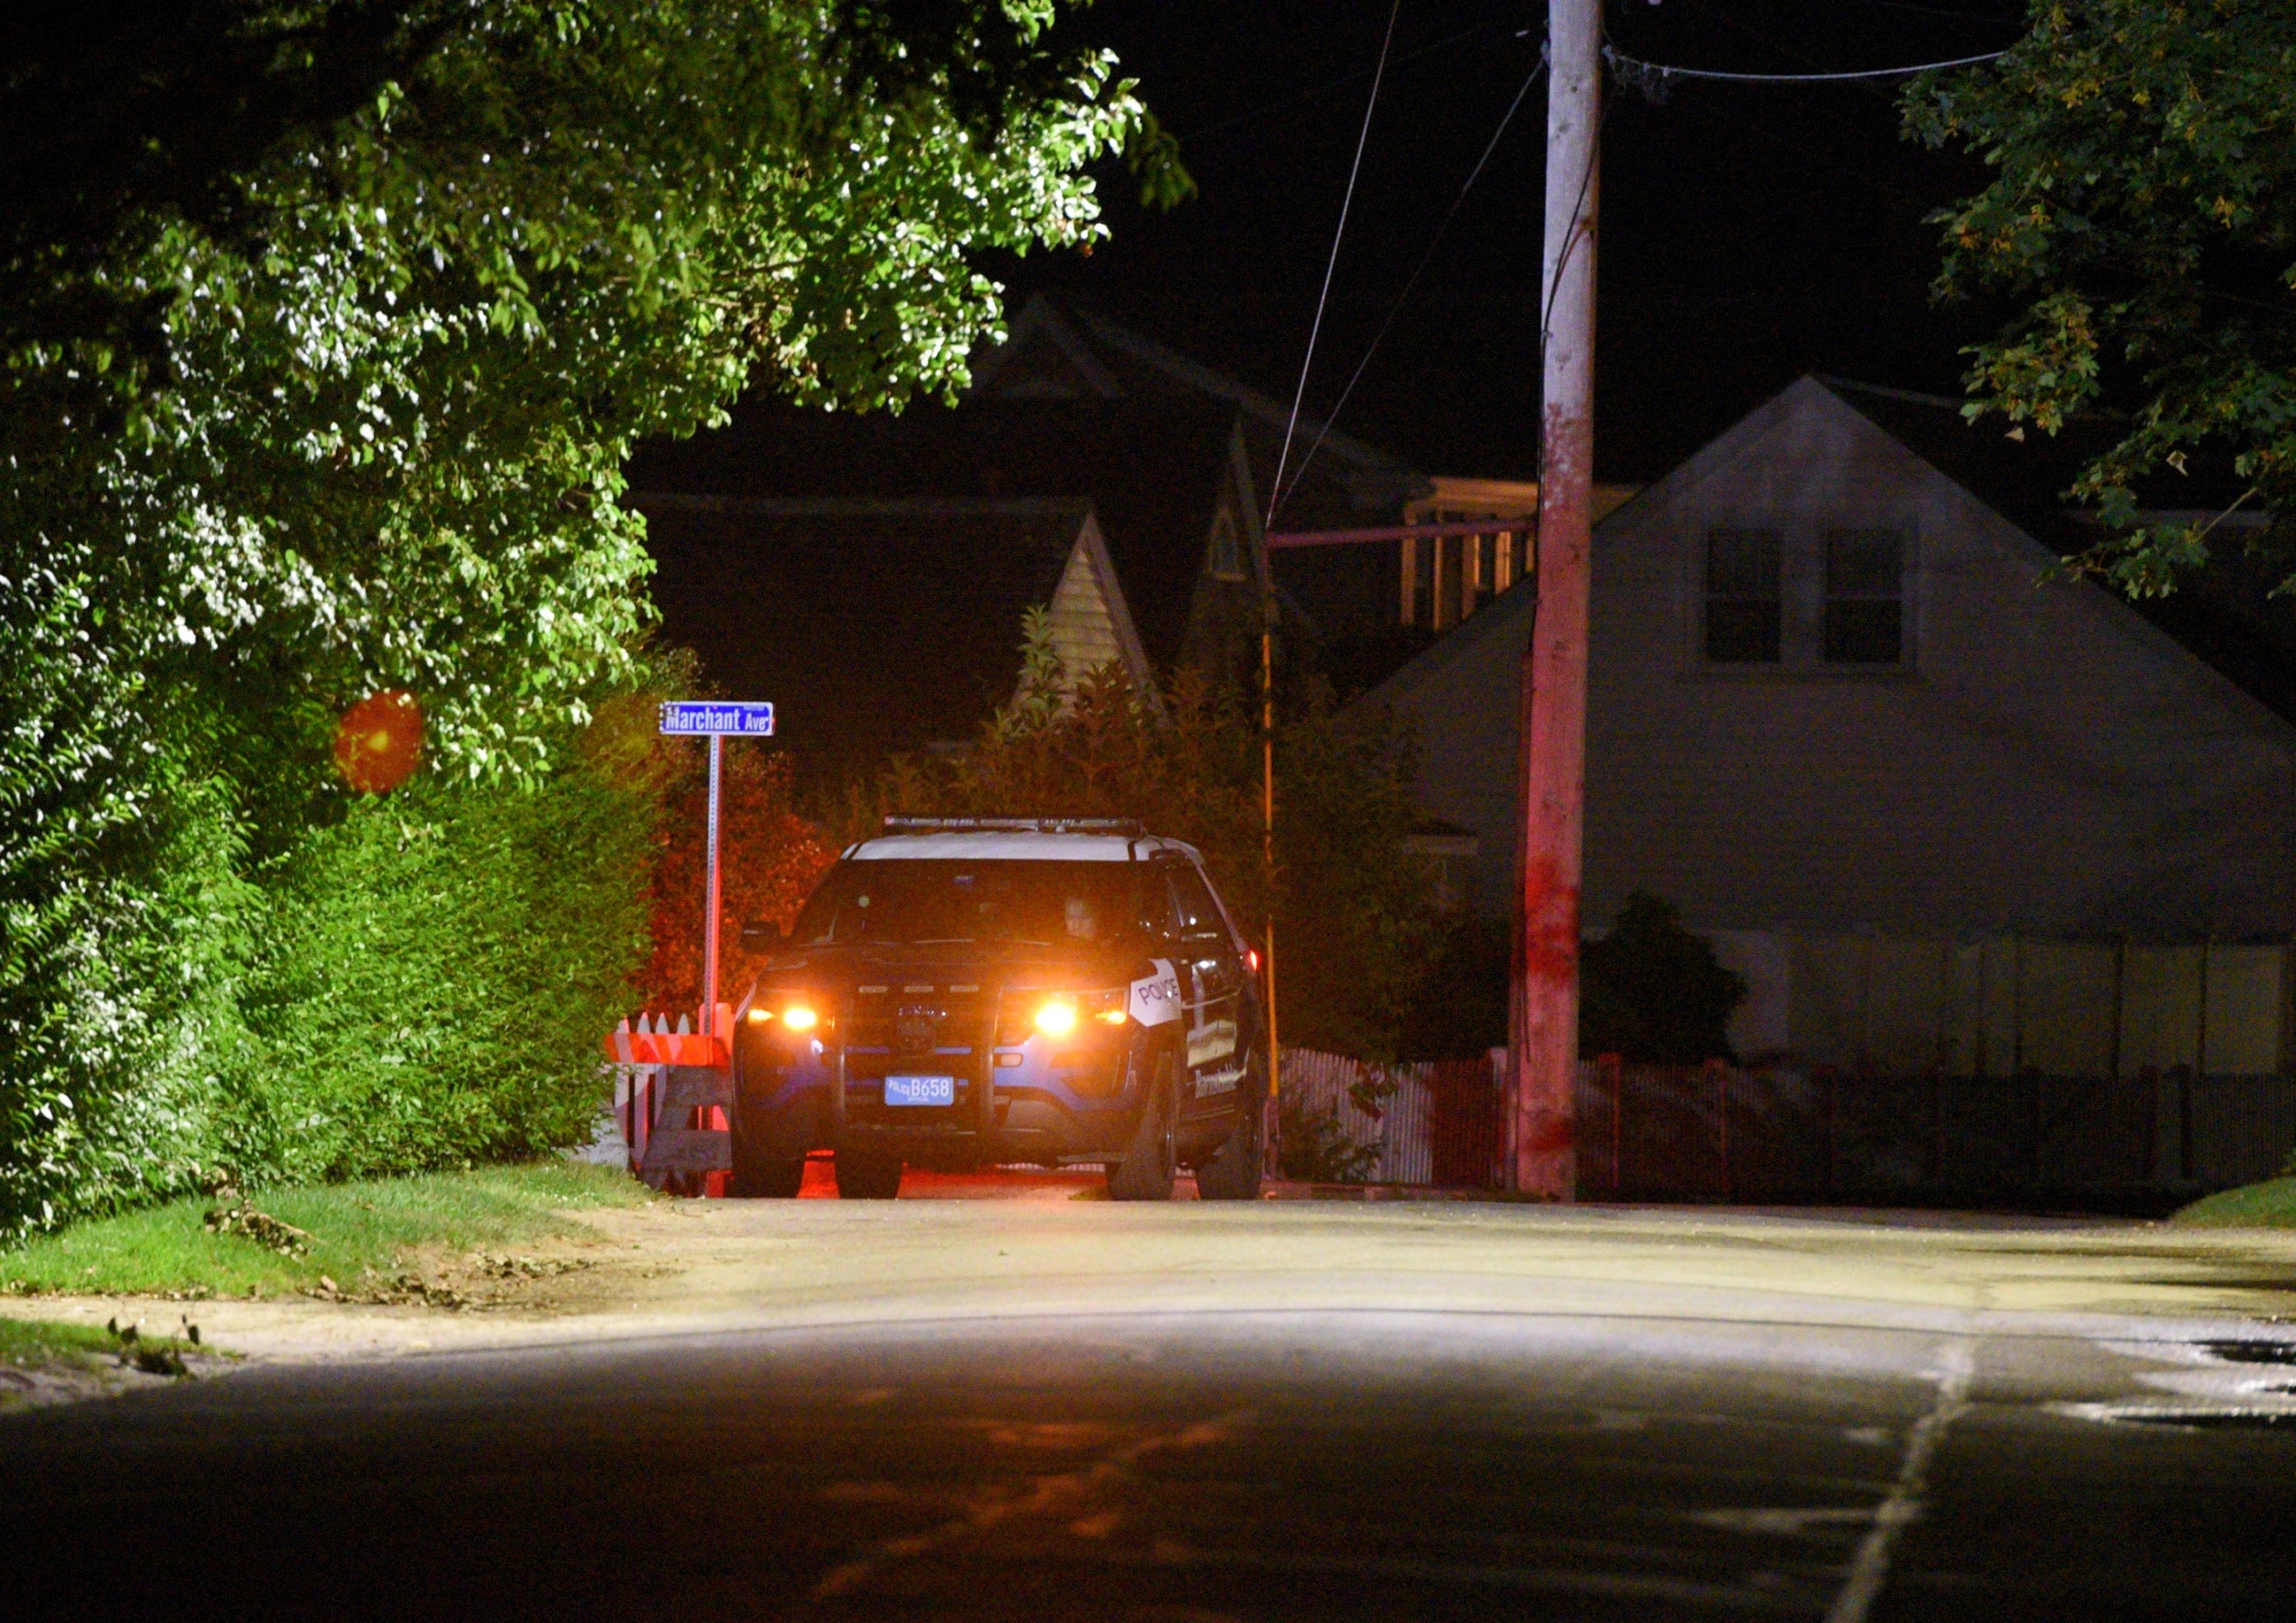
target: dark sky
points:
(1748, 234)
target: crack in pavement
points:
(1870, 1568)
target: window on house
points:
(1866, 611)
(1227, 557)
(1743, 617)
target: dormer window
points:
(1227, 554)
(1745, 610)
(1803, 599)
(1865, 597)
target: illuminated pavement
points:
(1044, 1406)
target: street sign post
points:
(716, 722)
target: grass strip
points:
(41, 1342)
(41, 1361)
(2269, 1204)
(357, 1231)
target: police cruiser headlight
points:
(1062, 1013)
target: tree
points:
(331, 393)
(2142, 213)
(1354, 909)
(1655, 992)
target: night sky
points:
(1748, 234)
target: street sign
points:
(716, 722)
(700, 718)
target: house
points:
(1838, 685)
(859, 569)
(883, 626)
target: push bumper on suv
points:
(1012, 1092)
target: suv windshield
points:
(914, 902)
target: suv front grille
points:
(920, 1029)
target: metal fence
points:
(1717, 1132)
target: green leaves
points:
(2144, 212)
(1354, 909)
(335, 396)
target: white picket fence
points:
(1400, 1127)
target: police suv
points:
(965, 992)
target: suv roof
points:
(1008, 845)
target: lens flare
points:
(798, 1018)
(380, 741)
(1056, 1019)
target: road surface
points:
(1057, 1407)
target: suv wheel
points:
(1233, 1171)
(864, 1176)
(762, 1177)
(1149, 1165)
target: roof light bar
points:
(1132, 828)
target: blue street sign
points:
(698, 718)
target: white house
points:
(1835, 689)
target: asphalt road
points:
(1064, 1409)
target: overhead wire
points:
(1339, 235)
(1640, 72)
(1411, 283)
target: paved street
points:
(1044, 1405)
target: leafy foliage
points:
(2143, 214)
(419, 985)
(1353, 907)
(436, 971)
(327, 331)
(1313, 1145)
(770, 858)
(1653, 992)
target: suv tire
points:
(1233, 1171)
(1150, 1163)
(757, 1176)
(864, 1176)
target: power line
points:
(1418, 270)
(1642, 73)
(1339, 234)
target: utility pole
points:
(1270, 1150)
(1543, 1048)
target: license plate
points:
(920, 1090)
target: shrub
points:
(1354, 909)
(1653, 992)
(769, 858)
(120, 1018)
(436, 972)
(1314, 1148)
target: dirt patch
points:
(483, 1283)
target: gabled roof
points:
(1151, 471)
(875, 626)
(2225, 619)
(1102, 357)
(2223, 613)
